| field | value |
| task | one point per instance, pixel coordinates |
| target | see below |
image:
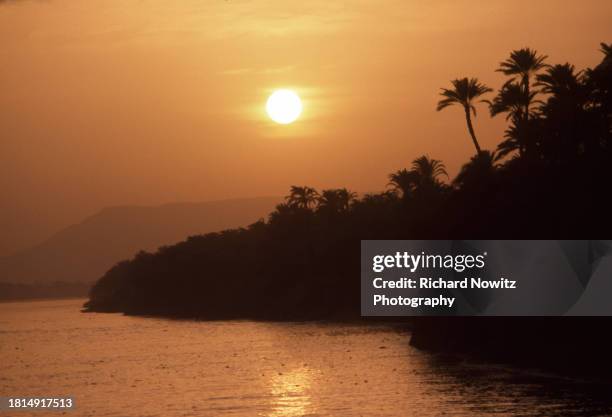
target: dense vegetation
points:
(548, 178)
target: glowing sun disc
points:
(284, 106)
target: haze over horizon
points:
(150, 102)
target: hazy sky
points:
(147, 101)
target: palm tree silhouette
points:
(402, 182)
(384, 198)
(566, 88)
(513, 139)
(606, 49)
(464, 92)
(600, 77)
(426, 170)
(599, 80)
(477, 171)
(514, 100)
(336, 201)
(511, 99)
(524, 63)
(560, 80)
(566, 111)
(421, 179)
(302, 197)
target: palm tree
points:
(426, 173)
(302, 197)
(478, 171)
(560, 80)
(336, 201)
(281, 212)
(421, 179)
(383, 198)
(427, 170)
(606, 49)
(402, 182)
(513, 139)
(599, 79)
(566, 114)
(567, 90)
(464, 92)
(524, 63)
(513, 100)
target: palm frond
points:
(523, 62)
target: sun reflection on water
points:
(291, 393)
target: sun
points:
(284, 106)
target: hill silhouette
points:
(84, 251)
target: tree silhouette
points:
(514, 100)
(302, 197)
(402, 182)
(428, 170)
(562, 81)
(523, 63)
(421, 180)
(513, 139)
(464, 92)
(336, 201)
(478, 170)
(606, 49)
(426, 173)
(599, 82)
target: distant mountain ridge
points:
(84, 251)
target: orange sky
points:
(147, 102)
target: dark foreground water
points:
(127, 366)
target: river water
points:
(113, 365)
